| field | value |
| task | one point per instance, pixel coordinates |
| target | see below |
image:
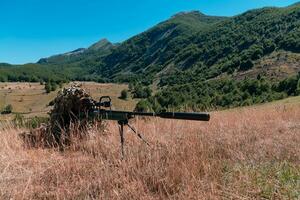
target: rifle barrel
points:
(198, 116)
(124, 115)
(185, 116)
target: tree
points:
(147, 92)
(142, 92)
(257, 53)
(131, 86)
(289, 85)
(61, 84)
(138, 91)
(48, 87)
(124, 94)
(246, 65)
(269, 46)
(53, 86)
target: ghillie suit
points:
(69, 114)
(69, 117)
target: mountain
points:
(193, 60)
(295, 4)
(152, 50)
(103, 45)
(99, 49)
(211, 45)
(4, 65)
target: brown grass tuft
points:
(249, 153)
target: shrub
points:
(7, 109)
(48, 87)
(19, 120)
(246, 65)
(142, 92)
(124, 94)
(53, 86)
(143, 106)
(36, 122)
(131, 86)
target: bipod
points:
(123, 123)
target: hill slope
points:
(214, 46)
(149, 52)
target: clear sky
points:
(32, 29)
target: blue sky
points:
(32, 29)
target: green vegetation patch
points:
(34, 122)
(221, 93)
(264, 181)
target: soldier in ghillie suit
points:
(69, 114)
(68, 117)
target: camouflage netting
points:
(70, 111)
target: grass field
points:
(31, 100)
(242, 153)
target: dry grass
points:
(31, 100)
(25, 98)
(96, 90)
(248, 153)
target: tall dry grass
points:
(251, 153)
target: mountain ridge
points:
(102, 47)
(193, 41)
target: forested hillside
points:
(192, 60)
(229, 45)
(147, 54)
